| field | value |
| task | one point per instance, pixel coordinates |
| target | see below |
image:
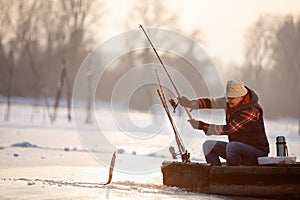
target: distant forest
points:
(43, 43)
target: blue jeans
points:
(235, 153)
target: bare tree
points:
(50, 39)
(21, 30)
(154, 14)
(29, 38)
(73, 18)
(10, 77)
(6, 61)
(288, 60)
(272, 55)
(151, 13)
(260, 48)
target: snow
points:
(41, 160)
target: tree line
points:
(42, 44)
(273, 63)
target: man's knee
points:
(232, 147)
(208, 145)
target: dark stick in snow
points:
(111, 169)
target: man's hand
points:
(183, 101)
(197, 124)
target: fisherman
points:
(244, 126)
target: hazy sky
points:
(223, 22)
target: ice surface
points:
(55, 162)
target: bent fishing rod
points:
(172, 82)
(162, 97)
(185, 156)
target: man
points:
(244, 126)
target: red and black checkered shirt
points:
(235, 122)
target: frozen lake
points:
(70, 160)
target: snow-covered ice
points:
(40, 160)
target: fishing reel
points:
(173, 104)
(173, 153)
(185, 156)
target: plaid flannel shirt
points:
(237, 123)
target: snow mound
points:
(24, 144)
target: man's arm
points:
(234, 126)
(203, 103)
(218, 103)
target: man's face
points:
(233, 101)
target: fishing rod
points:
(172, 82)
(185, 156)
(164, 102)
